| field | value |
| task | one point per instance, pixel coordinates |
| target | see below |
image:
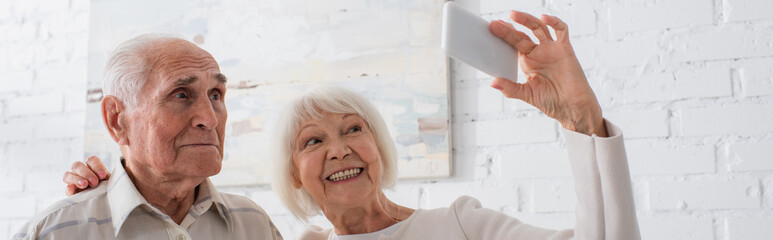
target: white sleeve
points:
(605, 208)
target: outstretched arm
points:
(557, 86)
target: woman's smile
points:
(345, 175)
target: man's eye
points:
(181, 95)
(312, 142)
(215, 96)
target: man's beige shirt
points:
(116, 210)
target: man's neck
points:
(172, 196)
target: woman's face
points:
(337, 160)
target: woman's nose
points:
(339, 149)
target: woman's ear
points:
(113, 115)
(296, 179)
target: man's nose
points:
(204, 114)
(339, 149)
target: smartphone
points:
(466, 37)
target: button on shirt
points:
(116, 210)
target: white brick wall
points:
(677, 228)
(767, 196)
(674, 158)
(5, 228)
(749, 228)
(14, 177)
(740, 10)
(35, 104)
(751, 156)
(757, 77)
(748, 119)
(731, 41)
(478, 100)
(488, 6)
(662, 15)
(500, 197)
(534, 161)
(513, 131)
(641, 123)
(689, 82)
(553, 197)
(43, 56)
(16, 131)
(18, 206)
(637, 49)
(15, 81)
(708, 194)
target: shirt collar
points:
(123, 197)
(209, 197)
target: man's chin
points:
(215, 169)
(206, 170)
(203, 164)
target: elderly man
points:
(164, 106)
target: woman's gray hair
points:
(311, 105)
(129, 66)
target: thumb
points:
(510, 89)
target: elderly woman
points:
(334, 156)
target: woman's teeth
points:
(346, 174)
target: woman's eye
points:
(312, 142)
(355, 129)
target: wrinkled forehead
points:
(179, 59)
(178, 45)
(177, 50)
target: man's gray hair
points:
(128, 67)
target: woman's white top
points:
(367, 236)
(605, 208)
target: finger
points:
(520, 41)
(80, 169)
(511, 89)
(537, 27)
(70, 190)
(77, 181)
(96, 166)
(562, 30)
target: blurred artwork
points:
(272, 50)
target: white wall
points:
(43, 56)
(689, 81)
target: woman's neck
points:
(378, 214)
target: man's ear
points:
(113, 115)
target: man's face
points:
(177, 129)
